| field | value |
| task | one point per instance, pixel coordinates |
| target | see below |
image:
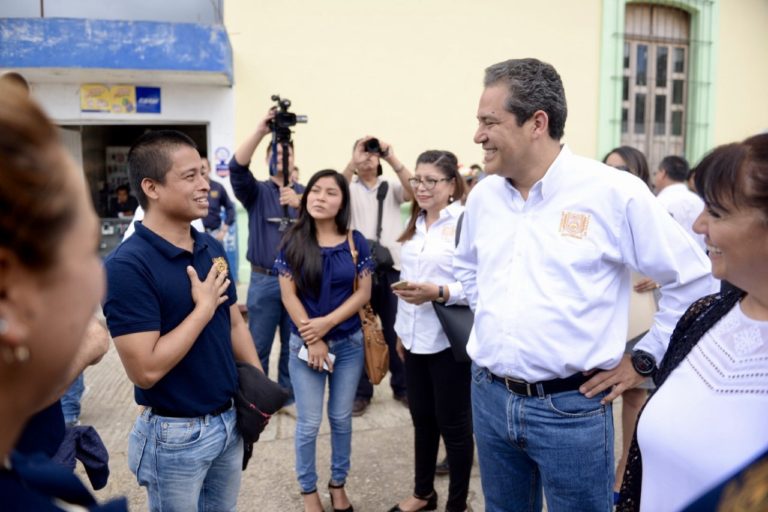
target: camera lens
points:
(372, 146)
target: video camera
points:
(283, 122)
(281, 126)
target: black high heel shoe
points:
(430, 505)
(350, 508)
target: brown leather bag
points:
(376, 349)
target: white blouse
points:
(428, 258)
(709, 418)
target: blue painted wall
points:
(81, 43)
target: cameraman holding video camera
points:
(265, 202)
(365, 190)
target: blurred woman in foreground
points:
(707, 417)
(50, 284)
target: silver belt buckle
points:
(527, 385)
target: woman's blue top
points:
(336, 283)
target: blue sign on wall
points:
(148, 100)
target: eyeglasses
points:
(429, 183)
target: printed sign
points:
(123, 99)
(119, 99)
(222, 161)
(148, 100)
(95, 98)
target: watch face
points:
(643, 362)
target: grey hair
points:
(533, 85)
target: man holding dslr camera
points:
(365, 190)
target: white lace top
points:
(710, 416)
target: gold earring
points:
(22, 353)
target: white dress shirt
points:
(428, 258)
(365, 213)
(684, 206)
(549, 277)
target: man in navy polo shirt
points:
(264, 201)
(172, 312)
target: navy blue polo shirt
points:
(262, 201)
(148, 289)
(218, 199)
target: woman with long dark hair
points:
(317, 275)
(438, 385)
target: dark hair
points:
(676, 167)
(36, 204)
(533, 85)
(150, 157)
(449, 166)
(124, 188)
(302, 252)
(635, 160)
(735, 175)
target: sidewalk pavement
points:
(382, 451)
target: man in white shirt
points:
(547, 245)
(363, 172)
(673, 193)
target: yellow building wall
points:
(742, 70)
(407, 71)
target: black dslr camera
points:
(283, 122)
(372, 146)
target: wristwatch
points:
(643, 363)
(440, 295)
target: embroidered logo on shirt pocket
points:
(574, 224)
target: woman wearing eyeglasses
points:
(438, 385)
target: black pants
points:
(440, 403)
(384, 304)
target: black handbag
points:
(457, 323)
(456, 320)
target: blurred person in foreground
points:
(547, 245)
(438, 385)
(707, 417)
(49, 236)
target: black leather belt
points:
(172, 414)
(548, 387)
(262, 270)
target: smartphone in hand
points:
(400, 285)
(304, 356)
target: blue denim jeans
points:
(309, 389)
(265, 314)
(187, 463)
(562, 442)
(70, 401)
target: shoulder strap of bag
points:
(353, 250)
(381, 193)
(458, 230)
